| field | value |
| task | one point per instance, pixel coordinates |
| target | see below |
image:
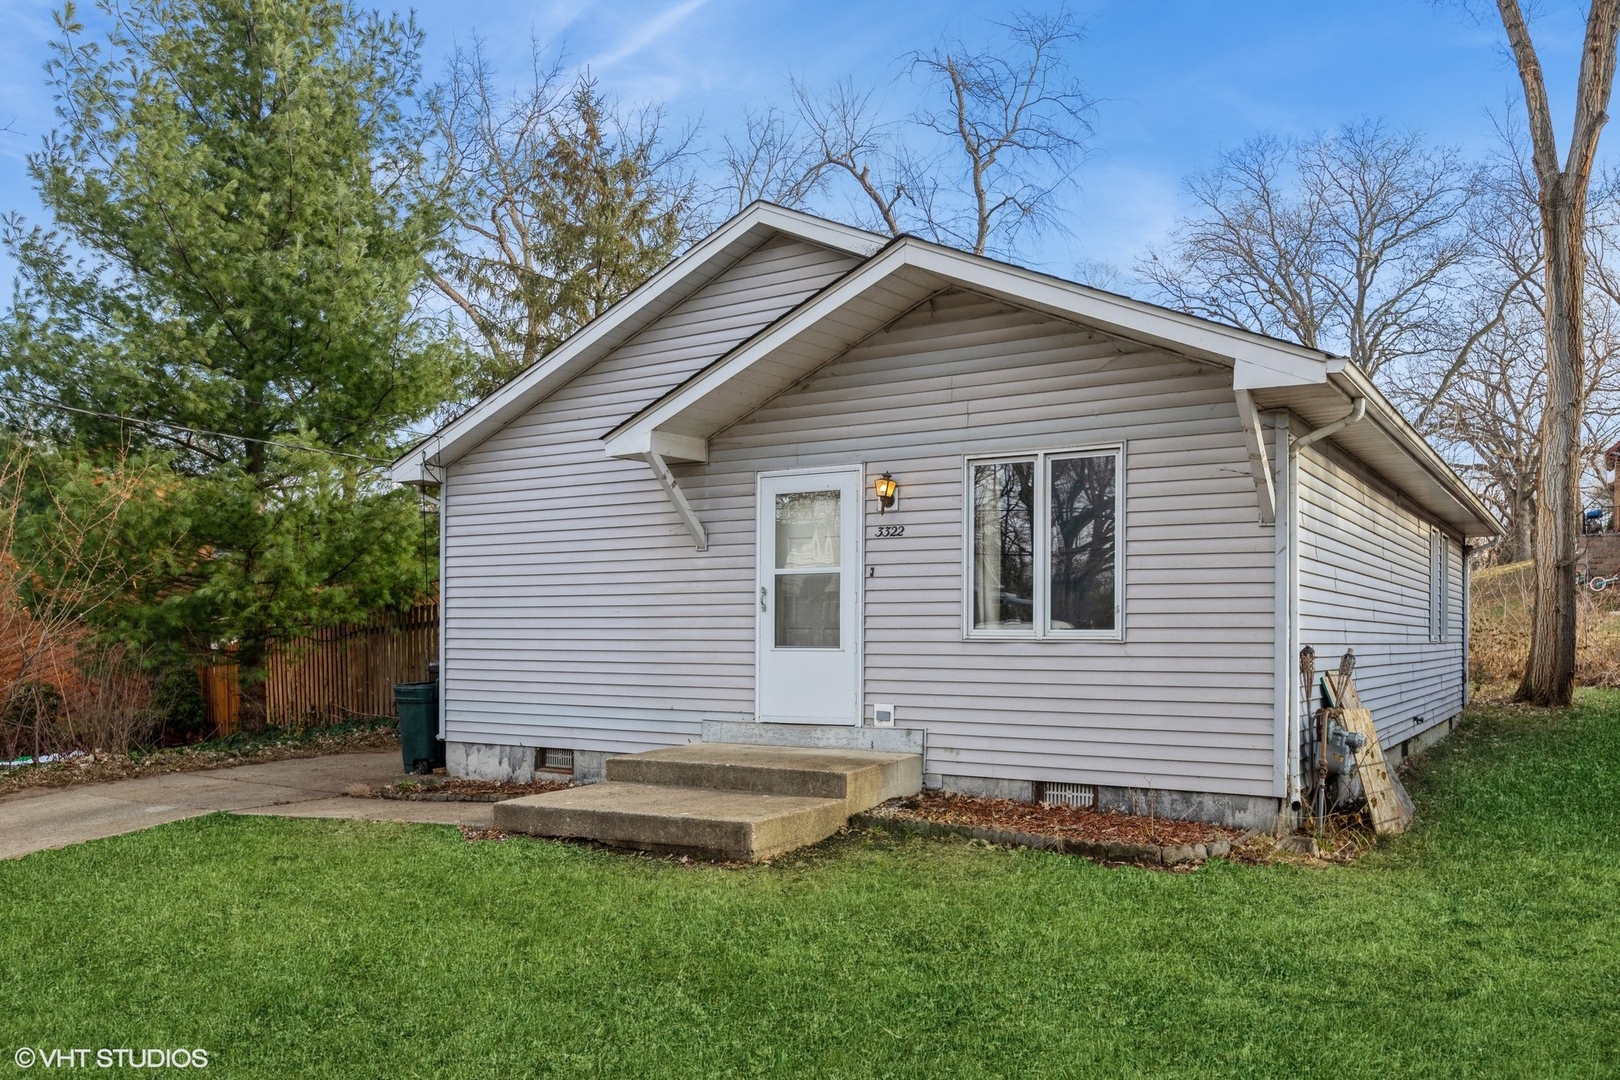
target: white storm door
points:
(808, 597)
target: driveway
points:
(43, 818)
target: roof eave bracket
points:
(1254, 438)
(677, 498)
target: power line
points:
(159, 424)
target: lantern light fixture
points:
(885, 487)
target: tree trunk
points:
(1549, 673)
(1522, 524)
(253, 713)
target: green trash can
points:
(419, 744)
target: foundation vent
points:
(550, 760)
(1083, 796)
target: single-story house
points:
(815, 486)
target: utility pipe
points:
(1358, 410)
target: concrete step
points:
(860, 779)
(729, 825)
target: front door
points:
(808, 615)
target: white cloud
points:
(649, 32)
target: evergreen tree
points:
(562, 204)
(235, 263)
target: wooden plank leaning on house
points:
(1388, 804)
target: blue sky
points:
(1176, 80)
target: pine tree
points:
(563, 204)
(235, 263)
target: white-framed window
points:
(1439, 586)
(1043, 555)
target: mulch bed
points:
(457, 789)
(1108, 836)
(1069, 822)
(100, 768)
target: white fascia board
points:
(564, 362)
(813, 229)
(412, 468)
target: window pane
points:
(1004, 546)
(807, 611)
(1083, 513)
(807, 529)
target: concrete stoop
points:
(726, 801)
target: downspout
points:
(444, 566)
(1358, 411)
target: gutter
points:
(1393, 424)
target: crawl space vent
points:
(549, 760)
(1083, 796)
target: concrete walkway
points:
(43, 818)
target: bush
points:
(178, 702)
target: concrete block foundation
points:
(489, 761)
(1238, 811)
(515, 764)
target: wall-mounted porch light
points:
(885, 487)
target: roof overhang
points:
(1266, 373)
(1386, 444)
(678, 280)
(892, 282)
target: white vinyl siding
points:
(1377, 577)
(1185, 703)
(576, 614)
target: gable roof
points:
(678, 280)
(892, 278)
(906, 272)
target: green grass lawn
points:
(1484, 942)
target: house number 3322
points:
(890, 530)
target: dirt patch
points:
(456, 789)
(1066, 822)
(101, 768)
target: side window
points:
(1439, 586)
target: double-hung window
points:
(1043, 552)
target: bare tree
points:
(1562, 193)
(1018, 122)
(773, 160)
(1483, 404)
(1505, 268)
(985, 161)
(1486, 423)
(561, 203)
(848, 136)
(1352, 242)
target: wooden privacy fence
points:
(337, 672)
